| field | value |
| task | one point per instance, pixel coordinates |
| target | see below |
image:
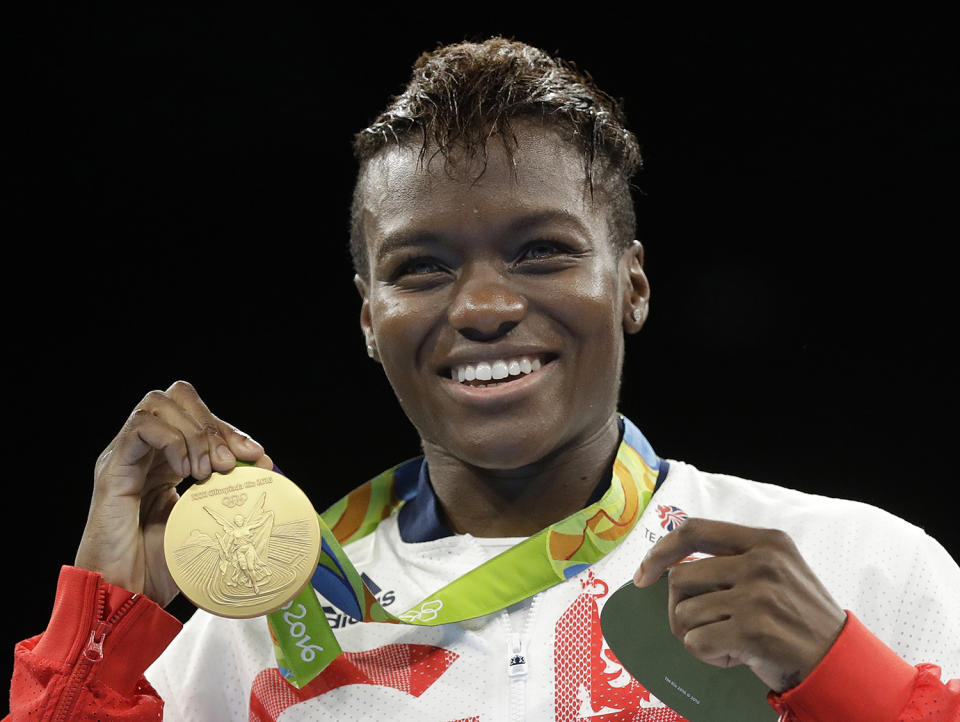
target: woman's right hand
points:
(170, 435)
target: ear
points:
(365, 323)
(636, 288)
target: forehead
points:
(404, 192)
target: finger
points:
(703, 576)
(694, 535)
(689, 613)
(718, 643)
(160, 404)
(242, 446)
(219, 453)
(144, 433)
(265, 462)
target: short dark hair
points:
(461, 95)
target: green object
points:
(636, 626)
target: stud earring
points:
(637, 315)
(369, 350)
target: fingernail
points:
(185, 466)
(223, 453)
(205, 467)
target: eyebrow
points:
(525, 223)
(405, 239)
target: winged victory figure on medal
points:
(251, 555)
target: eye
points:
(417, 266)
(541, 249)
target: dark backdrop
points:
(178, 200)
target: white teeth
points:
(496, 370)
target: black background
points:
(179, 181)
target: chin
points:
(502, 451)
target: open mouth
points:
(498, 372)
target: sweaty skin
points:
(514, 262)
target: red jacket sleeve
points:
(862, 680)
(89, 662)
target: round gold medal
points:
(242, 544)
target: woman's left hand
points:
(755, 602)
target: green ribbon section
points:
(302, 654)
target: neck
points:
(521, 502)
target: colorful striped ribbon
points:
(303, 641)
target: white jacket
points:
(545, 659)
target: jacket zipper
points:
(517, 671)
(91, 654)
(517, 661)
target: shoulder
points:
(755, 503)
(856, 544)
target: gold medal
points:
(242, 544)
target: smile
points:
(495, 372)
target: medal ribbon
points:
(303, 641)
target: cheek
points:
(401, 329)
(591, 307)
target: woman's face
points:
(473, 278)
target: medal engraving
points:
(242, 544)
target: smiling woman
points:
(482, 264)
(493, 241)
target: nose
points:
(485, 308)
